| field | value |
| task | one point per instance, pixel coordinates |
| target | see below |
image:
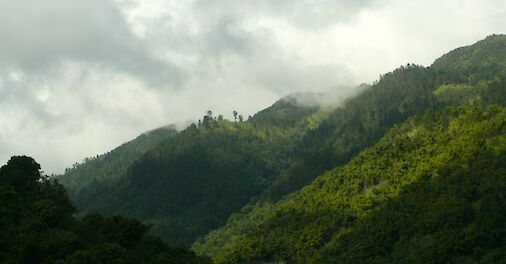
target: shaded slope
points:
(190, 183)
(85, 181)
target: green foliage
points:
(486, 92)
(485, 60)
(287, 112)
(359, 123)
(190, 183)
(456, 93)
(37, 226)
(96, 175)
(431, 190)
(20, 173)
(362, 120)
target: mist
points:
(78, 78)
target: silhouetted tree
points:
(21, 172)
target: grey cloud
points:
(303, 13)
(35, 35)
(227, 48)
(91, 74)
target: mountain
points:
(357, 124)
(38, 226)
(484, 60)
(306, 182)
(401, 95)
(96, 175)
(188, 183)
(397, 95)
(433, 188)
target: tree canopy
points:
(37, 226)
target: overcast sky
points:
(80, 77)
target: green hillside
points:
(420, 151)
(190, 183)
(397, 95)
(444, 86)
(93, 177)
(357, 123)
(485, 60)
(431, 189)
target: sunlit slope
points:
(444, 87)
(432, 189)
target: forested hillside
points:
(431, 189)
(358, 123)
(410, 169)
(468, 88)
(93, 177)
(473, 72)
(190, 183)
(37, 226)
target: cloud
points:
(304, 13)
(79, 77)
(37, 34)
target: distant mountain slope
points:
(95, 175)
(294, 108)
(189, 183)
(285, 112)
(431, 190)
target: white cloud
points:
(80, 77)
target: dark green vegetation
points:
(190, 183)
(290, 230)
(85, 181)
(412, 169)
(37, 226)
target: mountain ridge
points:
(192, 182)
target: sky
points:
(80, 77)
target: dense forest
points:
(38, 226)
(105, 171)
(190, 183)
(335, 217)
(431, 189)
(409, 169)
